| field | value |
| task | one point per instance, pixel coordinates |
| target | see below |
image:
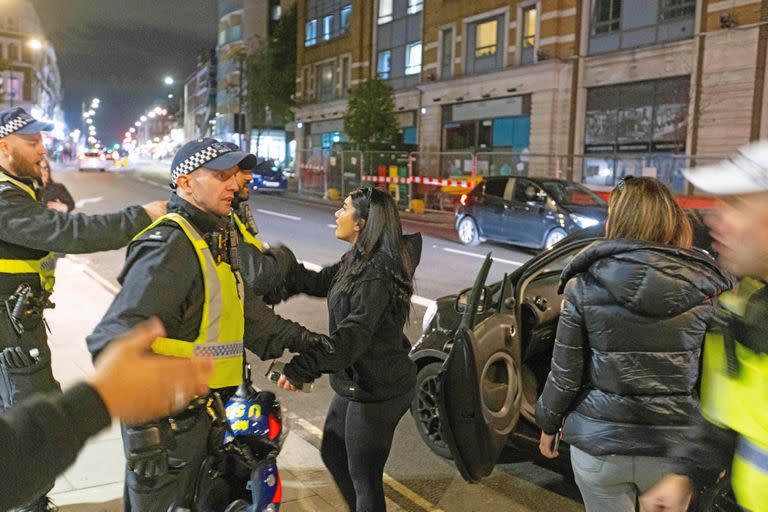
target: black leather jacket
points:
(625, 367)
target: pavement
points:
(94, 483)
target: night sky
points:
(120, 50)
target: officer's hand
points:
(57, 205)
(137, 385)
(155, 209)
(276, 296)
(284, 383)
(15, 357)
(672, 494)
(150, 463)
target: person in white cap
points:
(732, 431)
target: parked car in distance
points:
(531, 212)
(92, 160)
(268, 176)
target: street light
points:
(35, 44)
(143, 119)
(168, 80)
(89, 121)
(137, 123)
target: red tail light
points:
(463, 199)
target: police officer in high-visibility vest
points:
(29, 235)
(188, 270)
(733, 430)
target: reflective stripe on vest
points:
(45, 266)
(222, 324)
(749, 476)
(247, 236)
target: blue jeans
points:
(613, 483)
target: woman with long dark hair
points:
(374, 380)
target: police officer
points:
(733, 431)
(188, 270)
(29, 235)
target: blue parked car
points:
(268, 176)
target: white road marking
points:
(275, 214)
(482, 256)
(416, 299)
(88, 200)
(396, 486)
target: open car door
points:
(480, 384)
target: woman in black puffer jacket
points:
(625, 368)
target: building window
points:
(327, 27)
(485, 38)
(384, 64)
(310, 34)
(325, 82)
(345, 18)
(385, 11)
(415, 6)
(672, 9)
(413, 58)
(13, 52)
(344, 76)
(528, 42)
(277, 12)
(446, 57)
(607, 17)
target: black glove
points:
(146, 450)
(15, 357)
(286, 260)
(310, 341)
(276, 296)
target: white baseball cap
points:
(745, 172)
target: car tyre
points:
(468, 232)
(425, 410)
(553, 237)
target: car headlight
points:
(583, 221)
(429, 316)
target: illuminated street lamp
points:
(132, 130)
(168, 80)
(35, 44)
(143, 119)
(89, 121)
(137, 123)
(152, 115)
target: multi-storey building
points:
(31, 78)
(244, 25)
(591, 89)
(200, 97)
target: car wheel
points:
(554, 236)
(467, 231)
(425, 412)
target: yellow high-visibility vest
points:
(43, 267)
(247, 236)
(222, 323)
(739, 401)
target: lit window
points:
(327, 27)
(415, 6)
(529, 26)
(277, 12)
(413, 59)
(485, 38)
(384, 64)
(310, 35)
(385, 11)
(345, 18)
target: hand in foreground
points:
(547, 445)
(284, 383)
(672, 494)
(137, 385)
(155, 209)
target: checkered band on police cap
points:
(199, 158)
(15, 124)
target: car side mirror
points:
(462, 301)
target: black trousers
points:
(357, 439)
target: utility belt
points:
(24, 307)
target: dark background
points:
(120, 51)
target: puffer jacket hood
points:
(650, 280)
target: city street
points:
(416, 478)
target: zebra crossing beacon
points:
(188, 269)
(30, 234)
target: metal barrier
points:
(312, 171)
